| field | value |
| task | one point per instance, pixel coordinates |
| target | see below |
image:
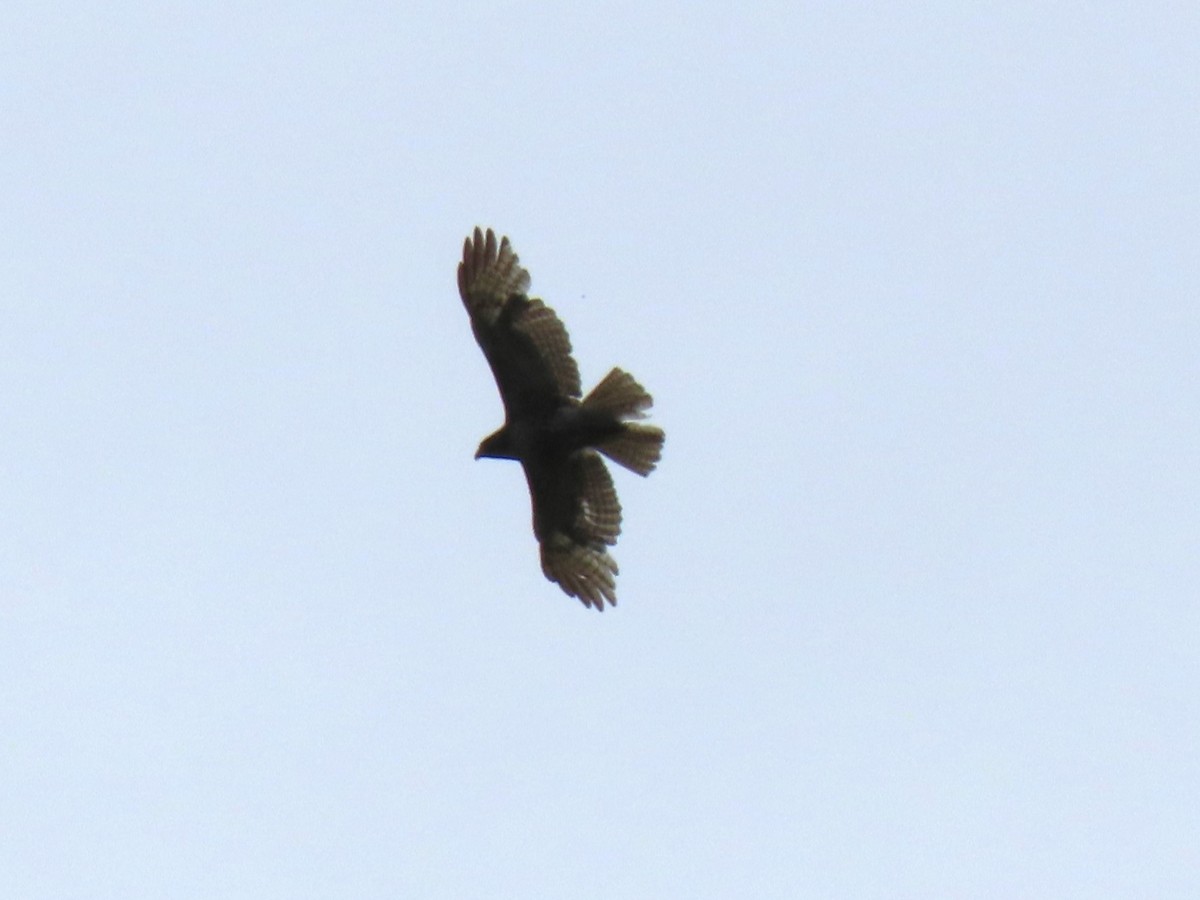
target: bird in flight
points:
(555, 435)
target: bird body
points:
(556, 436)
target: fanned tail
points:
(637, 447)
(620, 396)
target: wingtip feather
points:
(588, 573)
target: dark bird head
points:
(497, 445)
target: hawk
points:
(557, 437)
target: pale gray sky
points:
(909, 608)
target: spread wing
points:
(524, 342)
(576, 515)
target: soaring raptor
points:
(553, 433)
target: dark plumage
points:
(547, 427)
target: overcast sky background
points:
(909, 608)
